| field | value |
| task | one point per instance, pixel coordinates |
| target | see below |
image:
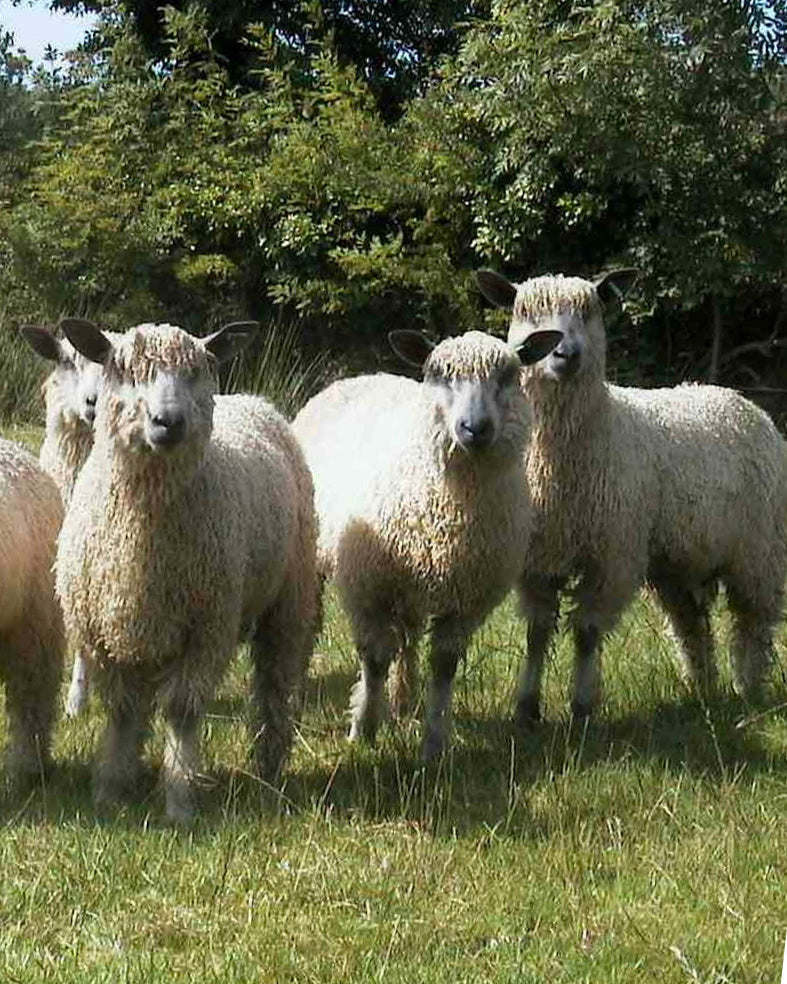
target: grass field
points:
(650, 845)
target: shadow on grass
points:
(484, 782)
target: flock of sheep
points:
(165, 523)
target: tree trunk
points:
(715, 354)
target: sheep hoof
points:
(363, 731)
(433, 747)
(581, 710)
(528, 713)
(75, 702)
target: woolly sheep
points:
(183, 529)
(70, 393)
(31, 628)
(682, 487)
(419, 494)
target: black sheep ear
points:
(538, 345)
(611, 285)
(496, 288)
(230, 339)
(87, 338)
(411, 346)
(42, 341)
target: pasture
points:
(650, 844)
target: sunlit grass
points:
(649, 845)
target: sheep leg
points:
(403, 675)
(756, 606)
(119, 764)
(448, 646)
(538, 600)
(31, 704)
(688, 609)
(275, 683)
(587, 675)
(752, 649)
(376, 643)
(79, 686)
(181, 764)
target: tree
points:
(648, 132)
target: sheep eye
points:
(434, 378)
(508, 376)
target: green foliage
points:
(21, 375)
(173, 181)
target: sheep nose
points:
(567, 356)
(474, 432)
(90, 408)
(167, 427)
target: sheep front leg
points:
(538, 600)
(587, 673)
(448, 647)
(79, 686)
(119, 763)
(376, 643)
(181, 761)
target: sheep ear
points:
(496, 288)
(230, 339)
(538, 345)
(611, 285)
(411, 346)
(42, 341)
(87, 338)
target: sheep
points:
(70, 393)
(680, 488)
(419, 495)
(31, 627)
(183, 530)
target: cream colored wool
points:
(31, 628)
(412, 525)
(165, 557)
(683, 487)
(67, 443)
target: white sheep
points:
(681, 487)
(70, 394)
(183, 530)
(31, 628)
(419, 494)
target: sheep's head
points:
(570, 305)
(472, 382)
(72, 387)
(158, 382)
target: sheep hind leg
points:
(31, 704)
(448, 646)
(752, 647)
(275, 691)
(539, 600)
(688, 609)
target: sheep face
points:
(158, 383)
(158, 390)
(72, 388)
(471, 407)
(472, 384)
(571, 306)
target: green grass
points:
(651, 845)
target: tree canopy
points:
(346, 166)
